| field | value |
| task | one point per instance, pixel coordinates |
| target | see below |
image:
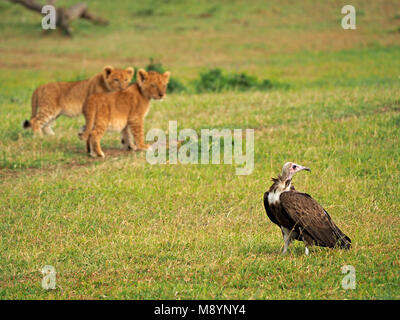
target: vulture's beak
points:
(304, 168)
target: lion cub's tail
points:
(26, 124)
(34, 102)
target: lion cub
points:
(51, 100)
(123, 111)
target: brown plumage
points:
(299, 216)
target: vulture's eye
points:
(294, 166)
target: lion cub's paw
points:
(130, 148)
(48, 131)
(143, 147)
(95, 155)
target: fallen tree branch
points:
(29, 4)
(64, 16)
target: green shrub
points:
(241, 81)
(211, 80)
(214, 80)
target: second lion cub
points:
(122, 111)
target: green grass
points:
(121, 228)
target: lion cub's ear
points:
(130, 70)
(166, 75)
(107, 70)
(142, 76)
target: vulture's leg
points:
(287, 238)
(306, 243)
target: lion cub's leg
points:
(94, 142)
(47, 128)
(89, 111)
(95, 137)
(36, 125)
(41, 122)
(88, 148)
(137, 130)
(37, 130)
(127, 139)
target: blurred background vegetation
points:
(278, 41)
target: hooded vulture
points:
(299, 216)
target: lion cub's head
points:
(117, 79)
(153, 85)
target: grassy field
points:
(120, 228)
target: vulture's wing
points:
(309, 215)
(270, 215)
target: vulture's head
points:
(290, 168)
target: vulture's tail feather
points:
(345, 243)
